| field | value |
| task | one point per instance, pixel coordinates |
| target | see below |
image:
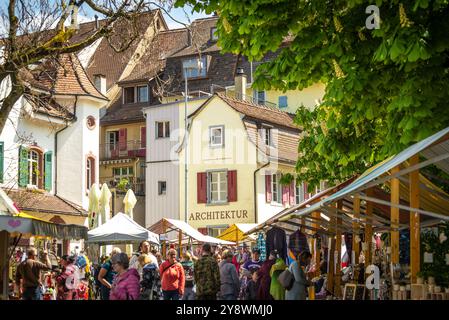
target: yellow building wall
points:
(309, 97)
(133, 131)
(238, 154)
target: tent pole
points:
(4, 263)
(164, 244)
(355, 230)
(395, 216)
(368, 228)
(316, 251)
(337, 289)
(414, 220)
(180, 243)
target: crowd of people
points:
(208, 273)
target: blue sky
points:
(180, 14)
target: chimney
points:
(100, 83)
(240, 84)
(97, 24)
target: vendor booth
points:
(383, 235)
(184, 232)
(14, 225)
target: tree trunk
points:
(16, 92)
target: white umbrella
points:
(105, 198)
(129, 201)
(94, 206)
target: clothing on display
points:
(297, 243)
(277, 240)
(261, 245)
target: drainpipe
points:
(56, 146)
(255, 190)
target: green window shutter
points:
(48, 158)
(23, 166)
(2, 159)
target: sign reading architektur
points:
(217, 215)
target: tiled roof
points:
(46, 105)
(63, 76)
(119, 112)
(161, 46)
(260, 112)
(106, 61)
(45, 203)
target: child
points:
(251, 287)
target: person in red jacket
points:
(172, 277)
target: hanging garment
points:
(348, 243)
(297, 243)
(277, 240)
(261, 245)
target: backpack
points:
(286, 279)
(81, 262)
(151, 282)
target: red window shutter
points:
(122, 139)
(143, 137)
(268, 188)
(292, 193)
(285, 194)
(203, 230)
(232, 185)
(201, 190)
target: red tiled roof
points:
(260, 112)
(64, 76)
(45, 203)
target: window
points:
(275, 188)
(213, 34)
(194, 72)
(259, 96)
(90, 172)
(299, 192)
(216, 136)
(215, 231)
(162, 129)
(162, 187)
(142, 93)
(33, 168)
(129, 95)
(123, 172)
(268, 138)
(218, 187)
(97, 82)
(283, 102)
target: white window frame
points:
(165, 124)
(268, 135)
(135, 95)
(159, 188)
(213, 37)
(89, 181)
(32, 172)
(299, 192)
(200, 73)
(138, 94)
(211, 137)
(121, 175)
(219, 191)
(256, 96)
(275, 181)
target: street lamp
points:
(193, 64)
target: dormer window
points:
(194, 72)
(135, 94)
(213, 34)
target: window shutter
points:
(2, 159)
(23, 166)
(285, 194)
(292, 193)
(48, 170)
(268, 195)
(232, 185)
(203, 230)
(143, 137)
(201, 181)
(122, 139)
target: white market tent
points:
(121, 229)
(165, 225)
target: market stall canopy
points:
(17, 225)
(434, 203)
(236, 232)
(167, 225)
(121, 229)
(7, 206)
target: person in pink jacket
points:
(126, 285)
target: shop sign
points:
(219, 215)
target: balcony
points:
(136, 184)
(130, 149)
